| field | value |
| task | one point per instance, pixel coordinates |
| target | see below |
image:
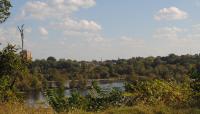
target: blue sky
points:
(104, 29)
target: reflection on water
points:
(35, 98)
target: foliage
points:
(12, 70)
(6, 94)
(195, 85)
(5, 6)
(96, 100)
(171, 67)
(76, 101)
(157, 91)
(57, 101)
(104, 99)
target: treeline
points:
(36, 74)
(169, 67)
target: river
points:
(37, 98)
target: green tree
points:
(53, 59)
(195, 85)
(5, 6)
(11, 65)
(12, 71)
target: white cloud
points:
(82, 3)
(168, 33)
(60, 18)
(70, 24)
(9, 35)
(28, 30)
(171, 13)
(59, 1)
(56, 9)
(43, 31)
(179, 39)
(89, 37)
(130, 41)
(195, 31)
(36, 10)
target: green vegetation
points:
(12, 70)
(162, 93)
(171, 67)
(152, 93)
(195, 86)
(17, 108)
(159, 91)
(14, 74)
(155, 85)
(5, 6)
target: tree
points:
(195, 85)
(5, 6)
(11, 65)
(53, 59)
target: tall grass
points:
(18, 108)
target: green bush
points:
(76, 101)
(6, 94)
(157, 91)
(195, 86)
(96, 100)
(57, 101)
(149, 92)
(99, 99)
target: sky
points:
(104, 29)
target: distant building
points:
(26, 55)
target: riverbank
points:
(18, 108)
(33, 98)
(70, 84)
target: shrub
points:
(6, 94)
(195, 85)
(57, 101)
(76, 101)
(99, 99)
(156, 91)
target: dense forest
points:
(171, 67)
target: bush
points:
(99, 99)
(195, 85)
(157, 91)
(6, 94)
(96, 100)
(57, 101)
(76, 101)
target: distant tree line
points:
(171, 67)
(38, 73)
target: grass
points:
(17, 108)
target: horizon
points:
(103, 60)
(86, 30)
